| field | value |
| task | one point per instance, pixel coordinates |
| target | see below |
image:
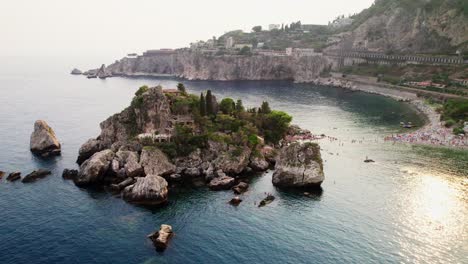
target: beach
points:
(433, 133)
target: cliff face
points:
(196, 66)
(404, 26)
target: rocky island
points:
(167, 137)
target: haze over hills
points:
(389, 26)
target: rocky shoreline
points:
(131, 156)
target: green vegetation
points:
(181, 88)
(138, 99)
(245, 51)
(227, 106)
(455, 114)
(228, 122)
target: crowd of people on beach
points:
(434, 133)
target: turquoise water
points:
(411, 206)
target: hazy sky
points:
(75, 27)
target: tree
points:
(276, 125)
(265, 108)
(245, 51)
(227, 106)
(239, 106)
(209, 103)
(257, 29)
(181, 88)
(202, 105)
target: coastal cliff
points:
(198, 66)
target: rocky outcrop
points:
(75, 71)
(93, 170)
(233, 161)
(88, 149)
(150, 190)
(148, 112)
(161, 238)
(35, 175)
(43, 140)
(14, 176)
(122, 185)
(299, 165)
(258, 162)
(221, 183)
(155, 162)
(240, 188)
(126, 164)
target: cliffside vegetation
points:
(455, 114)
(226, 122)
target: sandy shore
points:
(433, 133)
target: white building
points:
(274, 26)
(229, 43)
(240, 46)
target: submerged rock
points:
(14, 176)
(235, 201)
(122, 185)
(35, 175)
(161, 238)
(240, 188)
(68, 174)
(221, 183)
(299, 165)
(150, 190)
(94, 169)
(43, 140)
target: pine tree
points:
(181, 88)
(265, 109)
(202, 105)
(239, 106)
(209, 103)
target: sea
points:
(410, 206)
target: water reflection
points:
(431, 215)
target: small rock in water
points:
(2, 173)
(35, 175)
(235, 201)
(68, 174)
(270, 198)
(43, 140)
(76, 72)
(14, 176)
(161, 238)
(306, 194)
(221, 183)
(240, 188)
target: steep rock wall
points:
(196, 66)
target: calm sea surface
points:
(411, 206)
